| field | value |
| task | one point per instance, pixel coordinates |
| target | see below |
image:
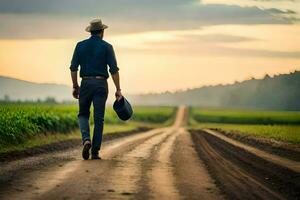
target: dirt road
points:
(158, 164)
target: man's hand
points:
(76, 92)
(118, 95)
(75, 85)
(116, 79)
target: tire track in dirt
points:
(192, 177)
(161, 176)
(278, 160)
(242, 175)
(128, 172)
(132, 169)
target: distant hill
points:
(23, 90)
(281, 92)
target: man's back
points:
(93, 55)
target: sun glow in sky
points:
(236, 42)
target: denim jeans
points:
(92, 91)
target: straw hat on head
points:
(96, 25)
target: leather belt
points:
(93, 77)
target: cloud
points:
(216, 38)
(278, 11)
(261, 53)
(215, 51)
(213, 45)
(59, 18)
(207, 38)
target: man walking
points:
(93, 55)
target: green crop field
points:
(21, 122)
(154, 114)
(283, 126)
(245, 116)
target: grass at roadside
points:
(28, 125)
(155, 115)
(286, 133)
(245, 116)
(278, 125)
(43, 139)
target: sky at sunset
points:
(161, 46)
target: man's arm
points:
(116, 79)
(114, 70)
(74, 69)
(75, 84)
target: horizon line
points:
(167, 91)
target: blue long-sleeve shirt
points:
(94, 55)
